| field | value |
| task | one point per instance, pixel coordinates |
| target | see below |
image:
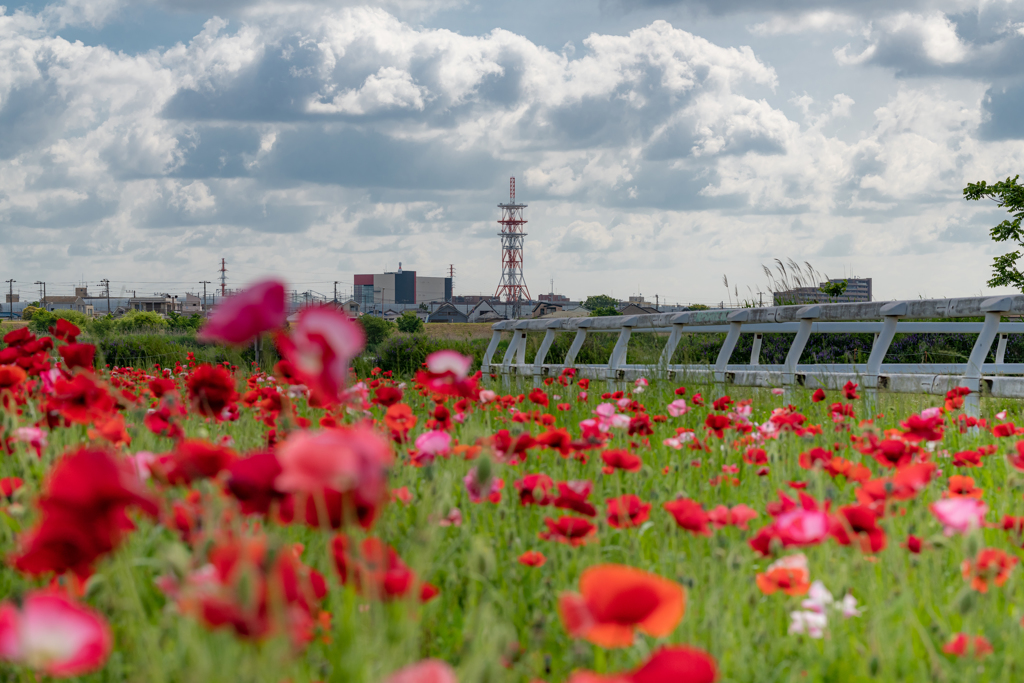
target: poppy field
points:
(216, 523)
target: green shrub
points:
(176, 321)
(136, 321)
(604, 310)
(43, 320)
(101, 327)
(376, 329)
(409, 322)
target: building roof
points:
(60, 299)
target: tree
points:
(409, 322)
(376, 329)
(1010, 196)
(604, 310)
(833, 289)
(600, 301)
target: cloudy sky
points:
(660, 144)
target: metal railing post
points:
(755, 350)
(972, 378)
(806, 315)
(542, 352)
(883, 340)
(518, 339)
(735, 319)
(485, 364)
(618, 357)
(678, 323)
(1001, 348)
(577, 343)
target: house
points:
(447, 313)
(634, 309)
(391, 314)
(350, 308)
(543, 308)
(158, 303)
(483, 312)
(192, 303)
(67, 303)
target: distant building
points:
(67, 303)
(554, 298)
(483, 312)
(857, 289)
(372, 292)
(542, 308)
(447, 313)
(192, 303)
(473, 299)
(635, 309)
(158, 303)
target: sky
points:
(664, 147)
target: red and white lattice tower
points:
(512, 286)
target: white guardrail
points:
(884, 319)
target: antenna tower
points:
(223, 279)
(512, 286)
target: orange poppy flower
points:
(962, 486)
(788, 574)
(399, 418)
(991, 564)
(615, 599)
(532, 558)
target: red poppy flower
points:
(532, 558)
(11, 376)
(815, 455)
(377, 570)
(538, 396)
(1016, 460)
(78, 355)
(923, 429)
(755, 456)
(1003, 430)
(962, 644)
(640, 425)
(82, 400)
(570, 530)
(193, 459)
(818, 396)
(677, 664)
(738, 516)
(387, 396)
(237, 319)
(717, 424)
(858, 522)
(850, 391)
(251, 481)
(967, 459)
(914, 544)
(354, 458)
(614, 600)
(989, 565)
(689, 515)
(627, 511)
(534, 489)
(620, 459)
(572, 495)
(399, 419)
(211, 390)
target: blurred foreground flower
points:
(237, 319)
(53, 635)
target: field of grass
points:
(497, 619)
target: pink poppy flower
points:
(239, 318)
(442, 362)
(678, 407)
(53, 635)
(959, 515)
(426, 671)
(340, 459)
(434, 443)
(320, 348)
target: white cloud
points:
(818, 21)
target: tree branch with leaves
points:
(1010, 196)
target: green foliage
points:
(604, 310)
(376, 329)
(698, 307)
(409, 322)
(176, 321)
(600, 301)
(137, 321)
(29, 312)
(143, 350)
(1010, 196)
(43, 320)
(833, 289)
(101, 327)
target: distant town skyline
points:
(659, 144)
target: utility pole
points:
(43, 300)
(107, 283)
(223, 278)
(11, 298)
(657, 303)
(335, 293)
(204, 283)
